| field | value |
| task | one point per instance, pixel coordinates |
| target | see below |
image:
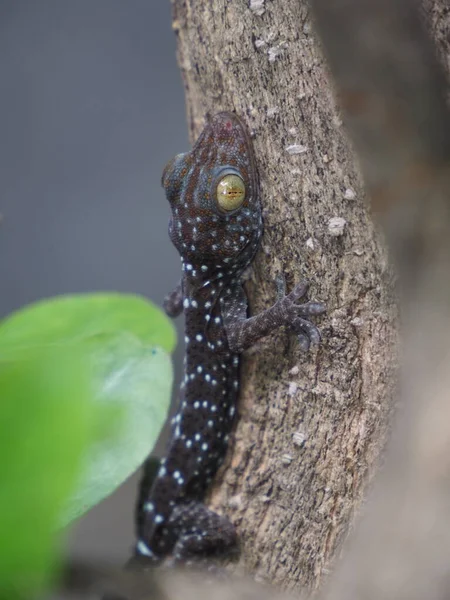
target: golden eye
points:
(230, 192)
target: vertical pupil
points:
(230, 192)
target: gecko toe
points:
(299, 291)
(307, 333)
(304, 341)
(310, 309)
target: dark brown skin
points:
(217, 236)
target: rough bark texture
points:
(394, 96)
(311, 427)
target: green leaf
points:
(77, 317)
(45, 425)
(125, 340)
(135, 379)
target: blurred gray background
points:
(92, 108)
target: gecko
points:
(216, 226)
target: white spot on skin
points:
(186, 339)
(207, 377)
(199, 369)
(158, 519)
(198, 437)
(199, 337)
(142, 548)
(204, 447)
(194, 303)
(149, 507)
(186, 303)
(196, 404)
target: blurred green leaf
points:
(45, 425)
(125, 340)
(135, 380)
(78, 317)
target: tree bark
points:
(311, 427)
(301, 461)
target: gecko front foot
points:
(296, 315)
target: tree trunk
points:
(311, 427)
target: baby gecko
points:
(216, 226)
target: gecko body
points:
(216, 226)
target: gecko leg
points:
(173, 302)
(243, 332)
(202, 535)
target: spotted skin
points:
(215, 247)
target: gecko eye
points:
(230, 192)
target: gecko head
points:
(214, 196)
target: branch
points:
(311, 427)
(392, 91)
